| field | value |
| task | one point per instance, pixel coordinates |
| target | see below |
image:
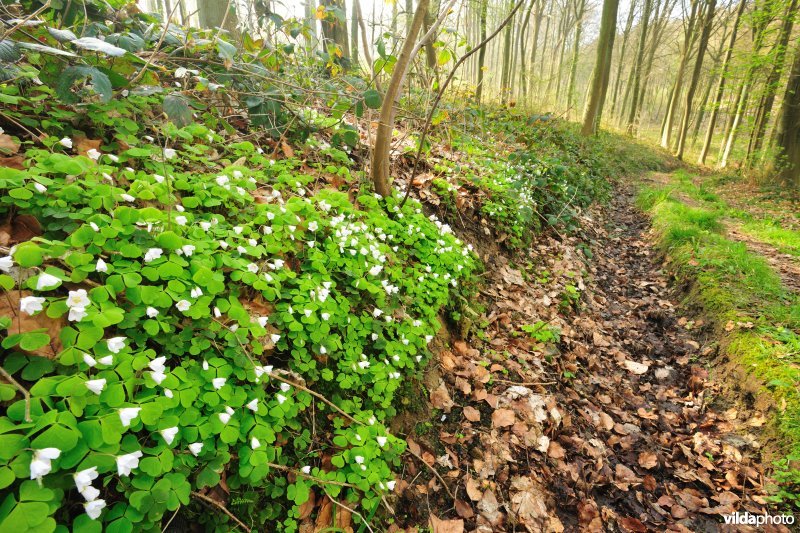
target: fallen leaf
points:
(503, 418)
(472, 414)
(83, 145)
(464, 509)
(473, 490)
(648, 460)
(555, 450)
(636, 368)
(446, 526)
(14, 161)
(8, 145)
(440, 398)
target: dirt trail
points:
(617, 429)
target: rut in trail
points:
(619, 428)
(653, 444)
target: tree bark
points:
(482, 52)
(621, 60)
(602, 68)
(788, 139)
(212, 15)
(580, 9)
(383, 135)
(334, 28)
(631, 128)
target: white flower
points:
(152, 312)
(252, 267)
(168, 393)
(205, 364)
(391, 484)
(40, 462)
(127, 197)
(363, 365)
(31, 304)
(157, 364)
(126, 414)
(96, 385)
(93, 154)
(255, 443)
(107, 360)
(224, 245)
(323, 350)
(84, 478)
(188, 249)
(217, 312)
(89, 360)
(218, 383)
(275, 338)
(225, 417)
(377, 312)
(253, 405)
(312, 226)
(306, 469)
(101, 266)
(196, 448)
(94, 226)
(39, 187)
(381, 441)
(281, 398)
(196, 292)
(94, 508)
(90, 493)
(183, 305)
(252, 242)
(66, 142)
(169, 153)
(181, 220)
(205, 225)
(46, 281)
(262, 321)
(222, 180)
(76, 314)
(261, 370)
(116, 344)
(152, 254)
(6, 263)
(169, 434)
(78, 298)
(113, 158)
(241, 249)
(359, 459)
(127, 462)
(158, 377)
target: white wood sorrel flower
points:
(126, 463)
(40, 462)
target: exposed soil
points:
(617, 427)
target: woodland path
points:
(620, 428)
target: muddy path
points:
(619, 426)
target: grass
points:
(731, 284)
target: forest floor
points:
(615, 412)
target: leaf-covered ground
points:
(616, 427)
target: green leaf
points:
(372, 99)
(100, 82)
(29, 255)
(33, 341)
(177, 109)
(9, 51)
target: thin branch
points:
(432, 469)
(22, 22)
(443, 88)
(158, 46)
(312, 478)
(22, 390)
(353, 511)
(222, 508)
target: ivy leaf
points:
(101, 83)
(36, 47)
(62, 36)
(97, 45)
(177, 109)
(9, 51)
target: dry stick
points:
(312, 478)
(432, 469)
(442, 89)
(22, 390)
(171, 518)
(222, 508)
(158, 46)
(22, 22)
(353, 511)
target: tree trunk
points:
(712, 120)
(505, 80)
(311, 22)
(648, 5)
(535, 39)
(672, 108)
(482, 52)
(334, 29)
(705, 33)
(579, 12)
(521, 46)
(354, 59)
(602, 68)
(212, 15)
(621, 60)
(788, 138)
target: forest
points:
(434, 266)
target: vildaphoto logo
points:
(750, 519)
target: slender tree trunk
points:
(672, 108)
(602, 68)
(712, 120)
(505, 80)
(334, 29)
(212, 15)
(535, 39)
(579, 12)
(383, 135)
(621, 60)
(354, 35)
(521, 46)
(705, 33)
(648, 5)
(482, 52)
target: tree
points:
(383, 135)
(705, 33)
(334, 29)
(602, 68)
(482, 52)
(637, 70)
(788, 139)
(218, 14)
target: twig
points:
(353, 511)
(22, 22)
(222, 508)
(312, 478)
(316, 395)
(22, 390)
(524, 383)
(157, 47)
(432, 469)
(171, 518)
